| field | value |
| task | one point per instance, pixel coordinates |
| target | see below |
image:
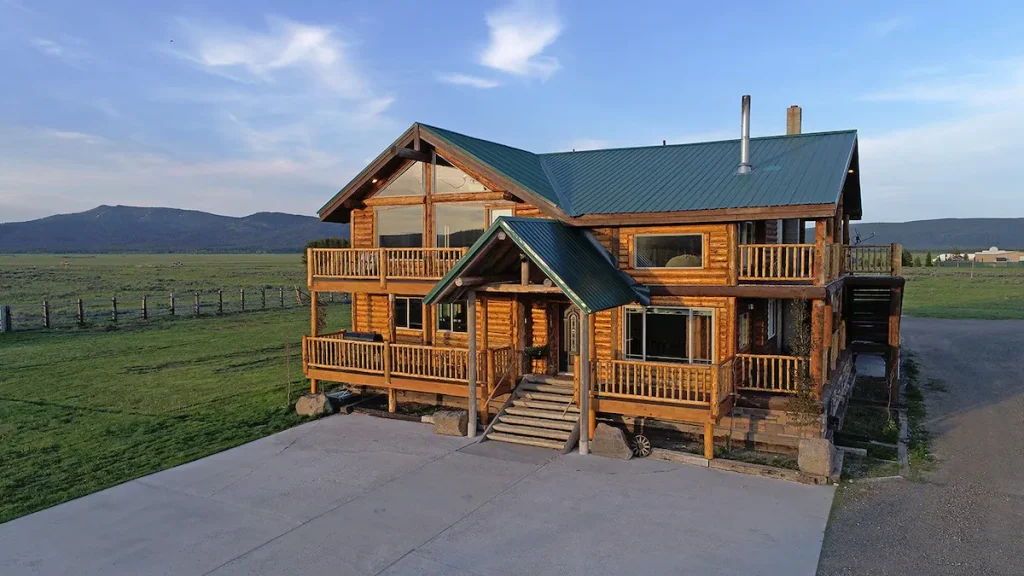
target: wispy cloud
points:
(48, 47)
(888, 26)
(987, 84)
(519, 34)
(69, 49)
(467, 80)
(581, 144)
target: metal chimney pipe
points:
(745, 137)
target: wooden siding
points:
(361, 229)
(538, 315)
(528, 211)
(717, 256)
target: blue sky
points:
(237, 107)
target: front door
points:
(568, 338)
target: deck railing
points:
(660, 381)
(873, 259)
(330, 352)
(786, 262)
(382, 263)
(430, 362)
(768, 373)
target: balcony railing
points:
(382, 263)
(330, 352)
(785, 262)
(686, 384)
(769, 373)
(873, 259)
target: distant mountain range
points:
(965, 234)
(133, 229)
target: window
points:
(407, 183)
(746, 235)
(452, 317)
(451, 180)
(661, 334)
(743, 331)
(409, 313)
(780, 229)
(669, 251)
(498, 212)
(400, 226)
(459, 225)
(773, 310)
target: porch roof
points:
(571, 257)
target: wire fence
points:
(129, 309)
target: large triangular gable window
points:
(451, 180)
(407, 183)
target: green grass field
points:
(948, 292)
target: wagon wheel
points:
(641, 446)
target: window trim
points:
(773, 306)
(710, 312)
(703, 252)
(451, 327)
(743, 336)
(408, 312)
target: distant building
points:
(994, 255)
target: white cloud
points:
(467, 80)
(48, 47)
(883, 28)
(519, 34)
(957, 166)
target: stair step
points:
(547, 414)
(512, 439)
(528, 431)
(556, 398)
(536, 422)
(555, 406)
(545, 379)
(548, 388)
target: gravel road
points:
(967, 515)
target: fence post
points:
(241, 297)
(263, 298)
(196, 311)
(81, 313)
(5, 319)
(220, 302)
(46, 314)
(145, 307)
(281, 294)
(172, 303)
(113, 309)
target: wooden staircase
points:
(869, 308)
(540, 412)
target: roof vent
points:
(745, 138)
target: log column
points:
(471, 364)
(314, 312)
(817, 338)
(892, 358)
(584, 391)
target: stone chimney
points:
(794, 118)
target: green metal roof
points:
(787, 170)
(570, 256)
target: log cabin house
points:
(546, 292)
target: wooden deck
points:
(376, 269)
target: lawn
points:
(949, 292)
(82, 410)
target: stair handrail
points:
(507, 372)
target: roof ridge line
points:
(701, 143)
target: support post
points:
(113, 309)
(817, 349)
(263, 298)
(383, 259)
(391, 318)
(5, 319)
(524, 270)
(392, 401)
(583, 360)
(709, 440)
(81, 313)
(896, 262)
(313, 314)
(846, 229)
(471, 364)
(145, 307)
(195, 311)
(892, 358)
(820, 265)
(46, 314)
(220, 302)
(172, 303)
(241, 297)
(280, 294)
(392, 394)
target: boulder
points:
(451, 422)
(313, 405)
(816, 456)
(611, 442)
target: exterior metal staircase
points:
(541, 411)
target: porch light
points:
(374, 180)
(850, 171)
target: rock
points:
(313, 405)
(610, 442)
(816, 456)
(451, 422)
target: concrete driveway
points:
(360, 495)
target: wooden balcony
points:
(809, 264)
(414, 270)
(777, 262)
(660, 389)
(432, 369)
(880, 259)
(769, 373)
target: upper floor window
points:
(451, 180)
(498, 213)
(452, 317)
(399, 226)
(459, 224)
(408, 183)
(668, 251)
(409, 313)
